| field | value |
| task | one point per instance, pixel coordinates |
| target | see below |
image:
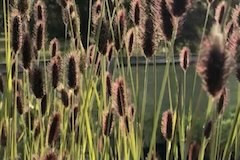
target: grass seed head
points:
(65, 97)
(119, 96)
(107, 123)
(37, 82)
(39, 34)
(72, 71)
(109, 84)
(148, 41)
(163, 19)
(39, 11)
(184, 58)
(135, 11)
(130, 40)
(16, 31)
(24, 6)
(27, 51)
(167, 125)
(55, 68)
(54, 128)
(54, 47)
(214, 64)
(44, 104)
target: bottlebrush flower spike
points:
(54, 47)
(135, 11)
(129, 42)
(54, 128)
(148, 37)
(37, 82)
(72, 71)
(64, 97)
(16, 31)
(27, 51)
(184, 58)
(55, 69)
(109, 84)
(44, 104)
(107, 123)
(163, 19)
(39, 11)
(39, 35)
(214, 64)
(23, 6)
(119, 96)
(167, 125)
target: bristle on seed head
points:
(167, 125)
